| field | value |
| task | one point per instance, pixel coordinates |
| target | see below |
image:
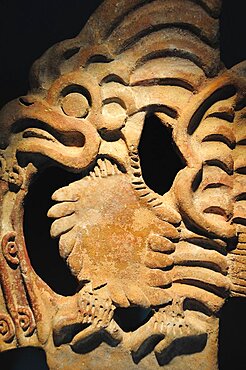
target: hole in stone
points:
(232, 339)
(28, 358)
(131, 318)
(42, 249)
(160, 162)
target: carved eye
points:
(76, 101)
(114, 113)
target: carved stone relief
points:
(178, 256)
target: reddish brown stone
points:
(174, 257)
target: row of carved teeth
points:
(139, 185)
(104, 168)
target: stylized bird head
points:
(98, 87)
(179, 255)
(87, 105)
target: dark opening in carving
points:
(42, 249)
(28, 358)
(232, 339)
(131, 318)
(159, 159)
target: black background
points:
(27, 29)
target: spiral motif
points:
(26, 321)
(10, 249)
(7, 329)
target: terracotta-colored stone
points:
(177, 256)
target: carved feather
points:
(181, 30)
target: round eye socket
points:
(75, 105)
(114, 115)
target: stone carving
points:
(178, 255)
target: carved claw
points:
(100, 326)
(88, 319)
(95, 310)
(167, 329)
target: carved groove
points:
(171, 53)
(140, 4)
(221, 94)
(192, 29)
(165, 82)
(74, 138)
(149, 260)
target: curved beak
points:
(45, 130)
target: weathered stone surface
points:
(174, 257)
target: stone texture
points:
(179, 255)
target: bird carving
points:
(105, 235)
(85, 112)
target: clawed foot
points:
(170, 332)
(98, 322)
(91, 322)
